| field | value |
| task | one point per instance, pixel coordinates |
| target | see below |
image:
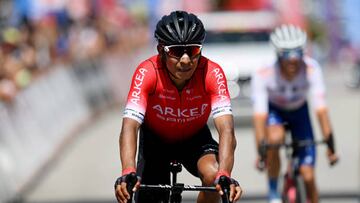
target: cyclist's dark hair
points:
(180, 27)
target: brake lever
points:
(131, 181)
(224, 183)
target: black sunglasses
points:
(177, 51)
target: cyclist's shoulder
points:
(152, 62)
(265, 71)
(211, 69)
(312, 65)
(147, 68)
(310, 61)
(207, 64)
(145, 75)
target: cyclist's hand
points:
(229, 187)
(332, 157)
(125, 186)
(260, 163)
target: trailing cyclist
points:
(279, 93)
(170, 100)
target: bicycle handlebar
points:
(178, 188)
(295, 144)
(183, 187)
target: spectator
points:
(7, 87)
(63, 32)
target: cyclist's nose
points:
(185, 59)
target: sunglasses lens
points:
(292, 54)
(193, 50)
(178, 51)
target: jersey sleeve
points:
(143, 83)
(216, 86)
(259, 94)
(317, 86)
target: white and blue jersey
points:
(285, 101)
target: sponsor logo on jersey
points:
(221, 84)
(136, 115)
(162, 96)
(194, 97)
(178, 114)
(138, 81)
(169, 91)
(221, 110)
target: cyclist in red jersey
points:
(170, 100)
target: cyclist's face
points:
(181, 69)
(290, 67)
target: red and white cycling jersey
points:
(269, 86)
(173, 115)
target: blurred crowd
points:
(38, 34)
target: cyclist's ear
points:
(160, 49)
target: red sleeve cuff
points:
(127, 171)
(222, 173)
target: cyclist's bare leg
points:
(275, 135)
(208, 167)
(308, 174)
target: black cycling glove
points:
(224, 179)
(130, 179)
(331, 143)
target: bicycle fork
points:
(294, 187)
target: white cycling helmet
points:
(288, 37)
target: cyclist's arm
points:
(259, 121)
(216, 86)
(317, 93)
(325, 125)
(260, 104)
(227, 142)
(128, 146)
(143, 83)
(128, 143)
(324, 121)
(317, 90)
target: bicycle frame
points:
(293, 189)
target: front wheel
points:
(289, 192)
(300, 190)
(294, 190)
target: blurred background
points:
(66, 66)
